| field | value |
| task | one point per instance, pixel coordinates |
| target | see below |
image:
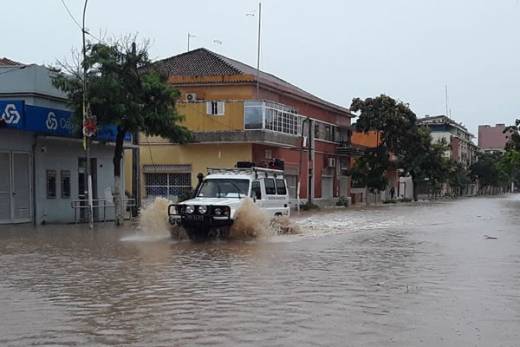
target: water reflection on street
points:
(403, 275)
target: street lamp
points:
(258, 48)
(86, 120)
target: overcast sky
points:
(336, 49)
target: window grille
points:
(168, 185)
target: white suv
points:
(213, 208)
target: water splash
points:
(153, 220)
(251, 222)
(154, 217)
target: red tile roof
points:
(203, 62)
(6, 61)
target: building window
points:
(167, 184)
(51, 184)
(65, 184)
(280, 187)
(270, 187)
(256, 191)
(268, 154)
(215, 108)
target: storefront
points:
(43, 166)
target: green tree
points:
(513, 134)
(370, 168)
(458, 177)
(487, 170)
(394, 120)
(124, 90)
(509, 167)
(424, 160)
(412, 145)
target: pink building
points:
(491, 139)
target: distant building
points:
(443, 128)
(239, 114)
(42, 160)
(492, 139)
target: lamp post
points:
(86, 140)
(258, 47)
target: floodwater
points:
(401, 275)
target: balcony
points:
(264, 115)
(347, 149)
(256, 121)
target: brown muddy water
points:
(404, 275)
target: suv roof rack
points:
(249, 170)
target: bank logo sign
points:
(51, 123)
(11, 115)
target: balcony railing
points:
(272, 116)
(266, 115)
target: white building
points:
(460, 140)
(42, 160)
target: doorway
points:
(15, 187)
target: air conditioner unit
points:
(191, 97)
(331, 162)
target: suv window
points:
(256, 191)
(270, 187)
(280, 187)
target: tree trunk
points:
(414, 184)
(118, 155)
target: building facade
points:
(239, 114)
(42, 160)
(492, 139)
(460, 140)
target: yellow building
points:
(236, 115)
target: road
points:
(404, 275)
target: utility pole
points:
(86, 116)
(258, 51)
(189, 37)
(446, 98)
(310, 169)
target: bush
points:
(342, 201)
(307, 206)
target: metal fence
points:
(100, 207)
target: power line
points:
(77, 22)
(71, 15)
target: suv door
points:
(256, 193)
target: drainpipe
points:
(35, 140)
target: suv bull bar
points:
(178, 216)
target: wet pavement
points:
(403, 275)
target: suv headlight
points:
(217, 211)
(190, 209)
(203, 209)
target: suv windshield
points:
(223, 188)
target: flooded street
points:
(402, 275)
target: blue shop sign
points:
(43, 120)
(12, 113)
